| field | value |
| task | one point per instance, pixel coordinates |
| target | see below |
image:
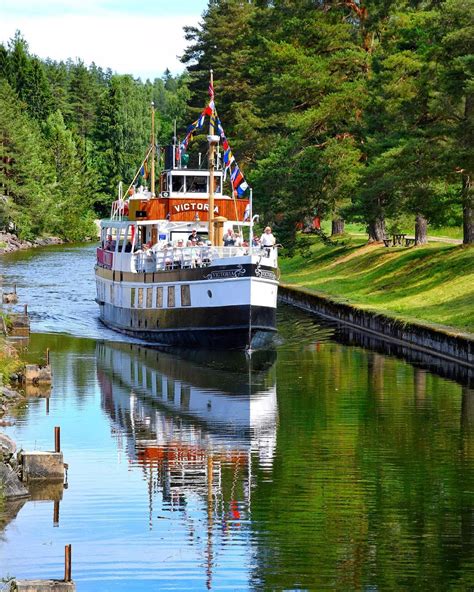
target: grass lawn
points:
(408, 228)
(434, 283)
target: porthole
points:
(209, 293)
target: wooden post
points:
(56, 513)
(67, 562)
(57, 439)
(47, 356)
(26, 310)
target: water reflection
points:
(194, 429)
(332, 467)
(462, 373)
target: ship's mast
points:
(153, 149)
(213, 139)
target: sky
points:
(139, 38)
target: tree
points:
(70, 215)
(455, 101)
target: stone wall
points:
(443, 342)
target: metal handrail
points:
(170, 258)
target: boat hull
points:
(226, 327)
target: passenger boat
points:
(156, 283)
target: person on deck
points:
(194, 236)
(229, 238)
(267, 239)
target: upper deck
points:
(184, 193)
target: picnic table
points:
(398, 238)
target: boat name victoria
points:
(192, 206)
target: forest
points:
(345, 110)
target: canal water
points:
(322, 465)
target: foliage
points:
(68, 134)
(355, 110)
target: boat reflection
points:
(194, 428)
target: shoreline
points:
(446, 343)
(9, 243)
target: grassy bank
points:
(434, 283)
(404, 226)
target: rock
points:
(44, 586)
(11, 485)
(9, 393)
(13, 462)
(7, 445)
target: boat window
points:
(178, 184)
(196, 184)
(171, 297)
(170, 391)
(132, 298)
(159, 297)
(158, 385)
(185, 295)
(185, 396)
(140, 298)
(149, 297)
(129, 234)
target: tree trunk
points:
(468, 210)
(467, 181)
(421, 230)
(376, 230)
(337, 226)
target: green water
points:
(323, 465)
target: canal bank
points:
(444, 342)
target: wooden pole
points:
(211, 171)
(153, 149)
(67, 562)
(56, 513)
(57, 439)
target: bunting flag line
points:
(239, 185)
(236, 177)
(228, 158)
(242, 188)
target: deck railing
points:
(170, 258)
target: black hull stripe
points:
(224, 327)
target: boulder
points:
(11, 485)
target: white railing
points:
(171, 258)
